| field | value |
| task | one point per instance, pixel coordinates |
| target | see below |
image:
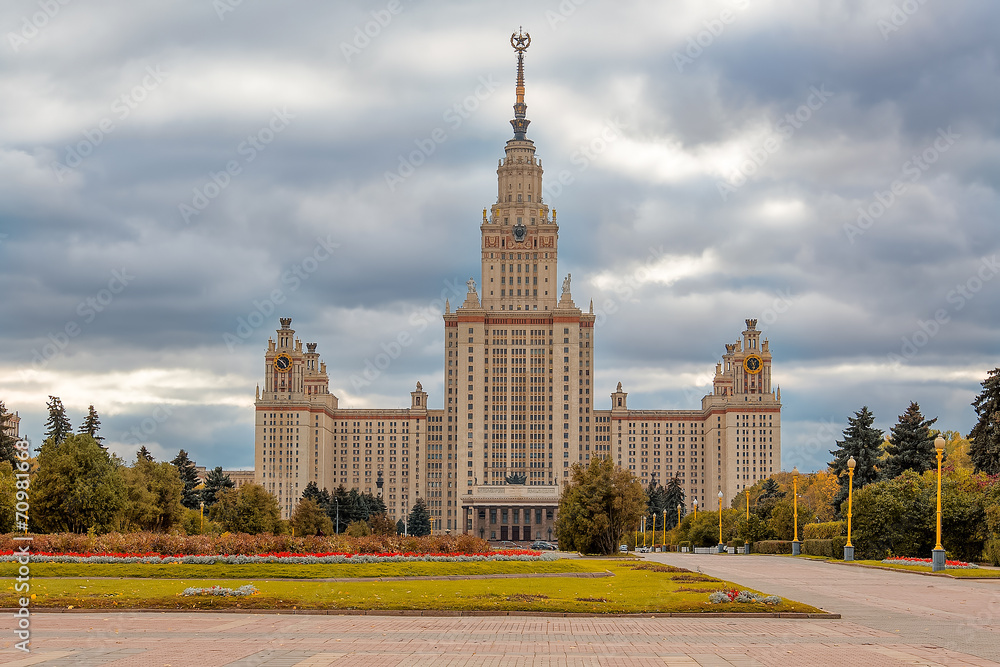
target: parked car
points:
(542, 545)
(643, 550)
(623, 548)
(506, 544)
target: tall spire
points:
(520, 41)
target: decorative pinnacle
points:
(520, 41)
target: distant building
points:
(13, 426)
(239, 477)
(519, 406)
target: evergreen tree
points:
(312, 492)
(355, 510)
(191, 497)
(144, 454)
(984, 448)
(91, 425)
(215, 481)
(673, 496)
(7, 441)
(57, 427)
(338, 508)
(400, 527)
(656, 503)
(419, 520)
(910, 445)
(862, 441)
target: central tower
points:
(518, 357)
(519, 239)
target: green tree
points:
(672, 497)
(910, 445)
(359, 529)
(984, 448)
(7, 441)
(782, 521)
(57, 426)
(143, 453)
(215, 482)
(598, 506)
(154, 496)
(419, 521)
(191, 497)
(91, 425)
(248, 509)
(8, 497)
(381, 524)
(78, 487)
(656, 503)
(311, 519)
(862, 441)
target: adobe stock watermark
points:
(784, 130)
(957, 299)
(393, 348)
(121, 108)
(563, 11)
(87, 310)
(898, 16)
(22, 508)
(625, 288)
(32, 25)
(454, 116)
(141, 432)
(248, 149)
(703, 39)
(366, 32)
(911, 172)
(292, 278)
(584, 156)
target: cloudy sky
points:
(174, 176)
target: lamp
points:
(796, 545)
(722, 547)
(849, 548)
(938, 554)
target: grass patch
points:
(971, 573)
(630, 590)
(294, 571)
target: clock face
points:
(520, 231)
(752, 364)
(282, 363)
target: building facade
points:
(519, 406)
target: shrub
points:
(818, 548)
(837, 546)
(773, 547)
(824, 531)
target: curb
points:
(436, 613)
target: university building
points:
(519, 406)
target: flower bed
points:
(221, 591)
(948, 564)
(283, 558)
(735, 595)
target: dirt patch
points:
(525, 597)
(657, 567)
(591, 600)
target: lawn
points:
(296, 571)
(971, 573)
(634, 588)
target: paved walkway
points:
(889, 619)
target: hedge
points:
(831, 548)
(824, 531)
(773, 547)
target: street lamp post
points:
(202, 531)
(337, 503)
(796, 545)
(849, 548)
(938, 554)
(653, 536)
(722, 547)
(746, 538)
(664, 545)
(695, 508)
